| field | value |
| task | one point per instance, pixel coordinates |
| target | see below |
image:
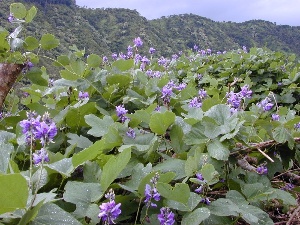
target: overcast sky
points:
(283, 12)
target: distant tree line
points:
(45, 2)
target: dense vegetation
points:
(198, 138)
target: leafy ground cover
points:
(201, 137)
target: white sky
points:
(283, 12)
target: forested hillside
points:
(103, 31)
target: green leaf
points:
(123, 65)
(88, 153)
(172, 165)
(82, 195)
(30, 14)
(79, 141)
(48, 42)
(64, 167)
(122, 80)
(93, 60)
(180, 192)
(193, 201)
(5, 150)
(31, 43)
(13, 192)
(159, 122)
(282, 135)
(35, 76)
(18, 10)
(50, 214)
(99, 126)
(196, 135)
(210, 175)
(196, 217)
(31, 214)
(218, 150)
(113, 168)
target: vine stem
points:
(138, 210)
(37, 184)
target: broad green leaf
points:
(35, 76)
(91, 172)
(113, 168)
(99, 126)
(31, 43)
(172, 165)
(210, 175)
(13, 192)
(5, 150)
(79, 141)
(64, 167)
(160, 122)
(122, 80)
(123, 65)
(282, 135)
(93, 60)
(82, 195)
(196, 135)
(31, 214)
(48, 42)
(193, 201)
(50, 214)
(18, 10)
(218, 150)
(88, 153)
(30, 14)
(180, 192)
(196, 217)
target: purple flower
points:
(202, 93)
(162, 61)
(266, 104)
(262, 170)
(166, 216)
(138, 42)
(199, 76)
(45, 132)
(109, 211)
(297, 125)
(11, 18)
(275, 117)
(131, 133)
(122, 56)
(105, 59)
(40, 156)
(145, 61)
(245, 49)
(199, 176)
(205, 201)
(167, 91)
(129, 48)
(288, 187)
(181, 86)
(195, 103)
(246, 92)
(83, 95)
(196, 47)
(137, 58)
(174, 56)
(152, 50)
(234, 99)
(151, 192)
(114, 56)
(121, 111)
(157, 74)
(199, 189)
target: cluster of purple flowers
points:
(297, 125)
(131, 133)
(40, 156)
(109, 211)
(151, 192)
(152, 50)
(144, 61)
(167, 91)
(200, 188)
(262, 170)
(275, 117)
(11, 18)
(121, 111)
(288, 187)
(38, 128)
(166, 216)
(196, 102)
(162, 61)
(138, 42)
(235, 99)
(83, 95)
(265, 104)
(150, 73)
